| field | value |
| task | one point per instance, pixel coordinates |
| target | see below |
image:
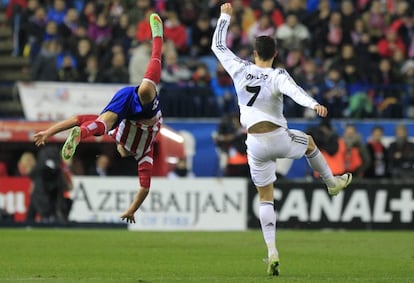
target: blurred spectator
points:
(117, 73)
(51, 31)
(311, 80)
(242, 16)
(100, 33)
(116, 10)
(398, 60)
(388, 93)
(138, 62)
(88, 15)
(176, 32)
(401, 154)
(47, 199)
(129, 41)
(36, 31)
(57, 11)
(67, 71)
(101, 167)
(201, 76)
(292, 34)
(357, 158)
(105, 61)
(349, 16)
(120, 27)
(69, 26)
(376, 20)
(388, 45)
(141, 10)
(334, 93)
(25, 164)
(298, 8)
(201, 34)
(91, 73)
(347, 63)
(180, 170)
(378, 154)
(236, 37)
(24, 31)
(83, 51)
(365, 48)
(316, 21)
(275, 13)
(230, 142)
(405, 27)
(361, 104)
(332, 36)
(44, 68)
(263, 26)
(187, 11)
(143, 28)
(224, 91)
(331, 146)
(294, 61)
(407, 71)
(172, 71)
(399, 9)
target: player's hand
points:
(128, 217)
(321, 110)
(226, 8)
(40, 138)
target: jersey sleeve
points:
(288, 86)
(231, 63)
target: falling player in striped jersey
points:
(260, 89)
(133, 118)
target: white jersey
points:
(259, 90)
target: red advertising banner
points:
(15, 196)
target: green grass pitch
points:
(75, 255)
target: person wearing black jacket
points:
(49, 184)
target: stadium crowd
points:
(354, 56)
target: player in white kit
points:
(260, 89)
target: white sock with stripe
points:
(267, 217)
(318, 163)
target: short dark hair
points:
(265, 47)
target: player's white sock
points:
(318, 163)
(267, 217)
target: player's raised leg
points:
(88, 125)
(318, 163)
(147, 88)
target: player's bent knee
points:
(311, 145)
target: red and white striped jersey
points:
(135, 137)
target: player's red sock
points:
(92, 128)
(153, 72)
(85, 118)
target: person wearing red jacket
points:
(391, 42)
(176, 32)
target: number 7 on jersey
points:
(255, 90)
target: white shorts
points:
(264, 149)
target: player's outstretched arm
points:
(139, 198)
(40, 138)
(231, 63)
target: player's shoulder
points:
(280, 71)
